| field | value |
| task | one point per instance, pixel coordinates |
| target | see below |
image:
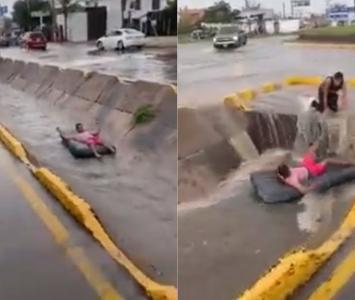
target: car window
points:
(130, 31)
(115, 33)
(36, 35)
(228, 30)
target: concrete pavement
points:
(44, 254)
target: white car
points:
(120, 39)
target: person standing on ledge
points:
(328, 93)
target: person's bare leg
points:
(93, 148)
(336, 161)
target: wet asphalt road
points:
(158, 64)
(32, 264)
(206, 75)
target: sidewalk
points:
(161, 42)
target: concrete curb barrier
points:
(83, 213)
(320, 45)
(241, 99)
(295, 269)
(303, 80)
(14, 146)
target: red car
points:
(34, 40)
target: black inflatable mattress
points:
(80, 150)
(270, 189)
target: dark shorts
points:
(332, 101)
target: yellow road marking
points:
(82, 212)
(95, 278)
(341, 275)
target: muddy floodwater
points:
(135, 200)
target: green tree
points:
(220, 12)
(21, 14)
(22, 11)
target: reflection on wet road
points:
(149, 64)
(207, 75)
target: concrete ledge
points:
(269, 87)
(14, 146)
(296, 268)
(83, 213)
(247, 94)
(303, 80)
(320, 45)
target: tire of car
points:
(140, 47)
(100, 46)
(120, 46)
(44, 48)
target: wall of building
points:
(77, 26)
(146, 6)
(286, 26)
(114, 14)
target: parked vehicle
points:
(34, 40)
(4, 41)
(230, 36)
(121, 39)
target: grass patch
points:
(143, 114)
(330, 31)
(339, 34)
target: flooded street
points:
(151, 64)
(206, 76)
(135, 201)
(228, 238)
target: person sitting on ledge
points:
(328, 97)
(298, 177)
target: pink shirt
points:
(84, 136)
(298, 175)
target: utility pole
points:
(54, 19)
(284, 9)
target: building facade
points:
(341, 14)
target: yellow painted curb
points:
(174, 88)
(247, 94)
(297, 268)
(351, 82)
(235, 101)
(14, 146)
(303, 80)
(269, 87)
(82, 212)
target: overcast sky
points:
(8, 3)
(275, 4)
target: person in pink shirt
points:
(90, 138)
(297, 177)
